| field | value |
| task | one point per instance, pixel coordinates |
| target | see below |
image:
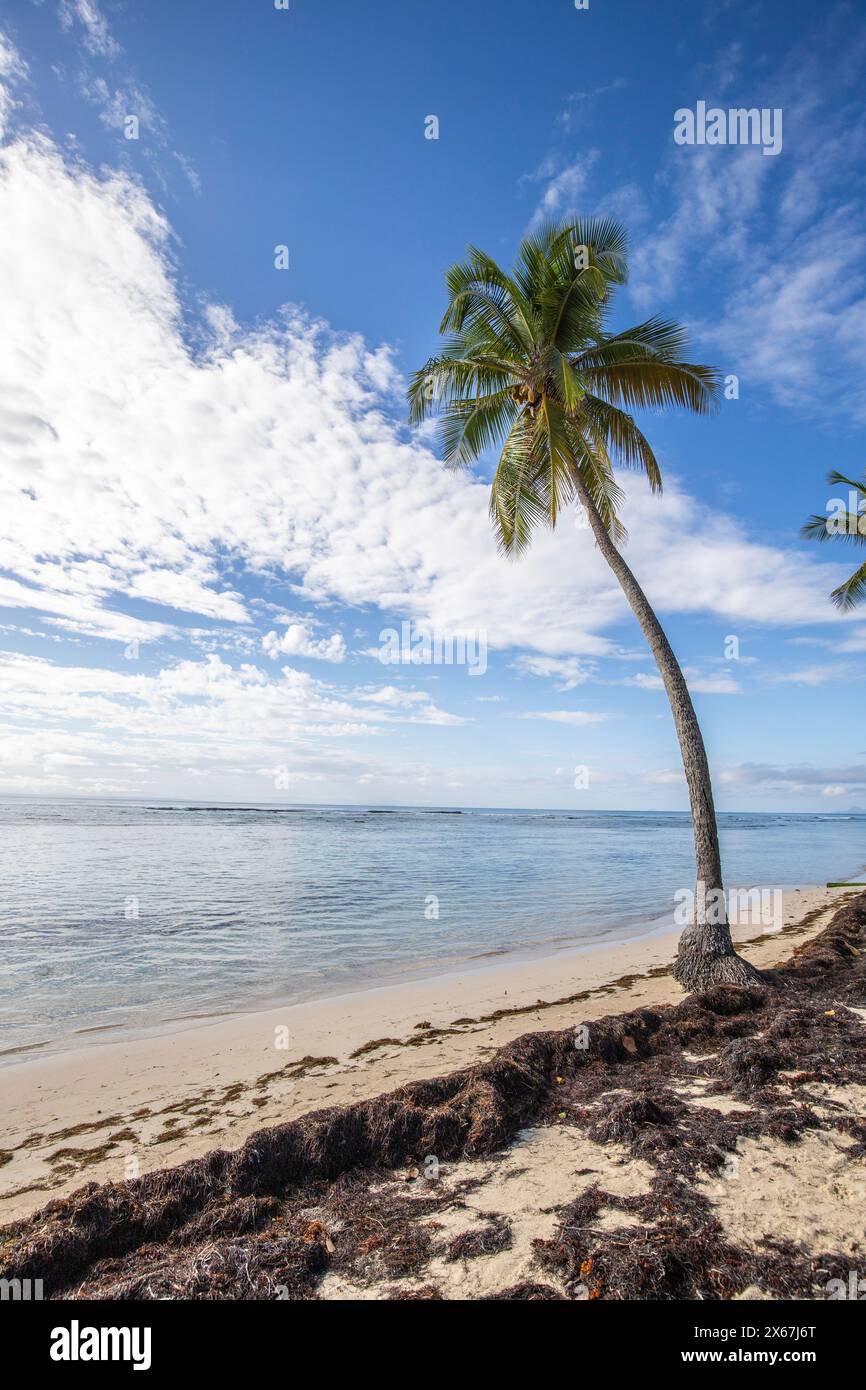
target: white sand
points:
(526, 1185)
(807, 1192)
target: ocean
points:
(119, 918)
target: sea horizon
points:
(265, 802)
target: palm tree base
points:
(706, 958)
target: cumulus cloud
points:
(138, 730)
(298, 640)
(568, 672)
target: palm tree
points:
(529, 363)
(844, 525)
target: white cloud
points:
(714, 202)
(96, 34)
(79, 614)
(855, 642)
(800, 317)
(784, 239)
(568, 672)
(712, 683)
(568, 716)
(194, 716)
(565, 189)
(298, 640)
(820, 674)
(116, 104)
(396, 698)
(12, 70)
(795, 779)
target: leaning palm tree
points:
(529, 363)
(846, 525)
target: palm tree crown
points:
(846, 525)
(529, 361)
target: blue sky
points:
(214, 505)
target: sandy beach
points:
(710, 1148)
(117, 1110)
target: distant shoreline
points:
(161, 802)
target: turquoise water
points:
(121, 917)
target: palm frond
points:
(444, 380)
(649, 384)
(569, 385)
(836, 479)
(595, 466)
(470, 426)
(621, 435)
(557, 479)
(516, 504)
(655, 339)
(842, 526)
(852, 592)
(546, 257)
(482, 294)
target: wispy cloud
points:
(107, 82)
(13, 70)
(568, 716)
(564, 189)
(86, 15)
(784, 239)
(581, 104)
(700, 683)
(824, 673)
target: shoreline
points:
(623, 934)
(494, 961)
(121, 1108)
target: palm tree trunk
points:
(706, 953)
